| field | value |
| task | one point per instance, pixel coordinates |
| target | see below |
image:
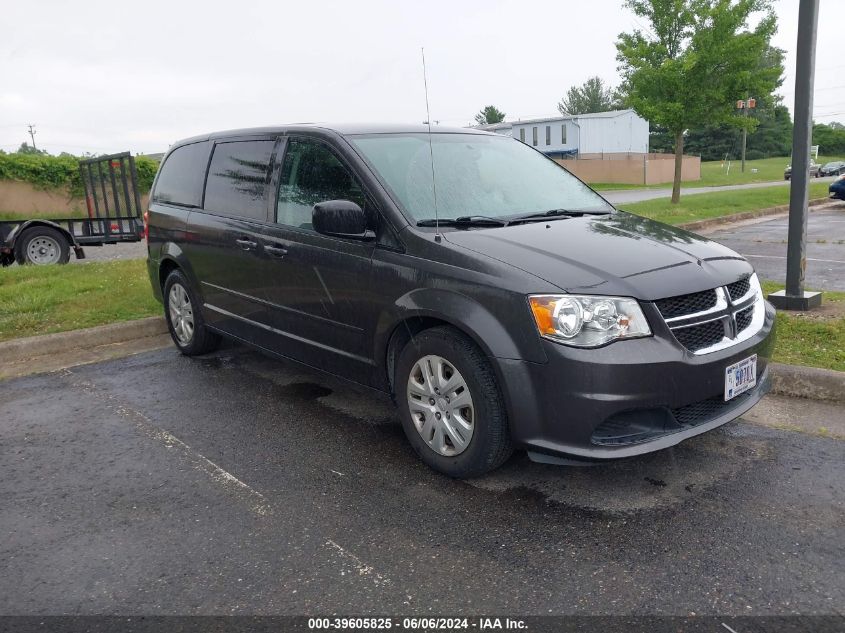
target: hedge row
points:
(50, 172)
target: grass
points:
(44, 299)
(702, 206)
(815, 338)
(716, 173)
(26, 215)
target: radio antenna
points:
(431, 152)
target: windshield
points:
(493, 176)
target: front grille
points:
(710, 320)
(739, 289)
(743, 319)
(698, 337)
(686, 304)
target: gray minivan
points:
(499, 300)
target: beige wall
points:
(633, 169)
(21, 198)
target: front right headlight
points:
(588, 320)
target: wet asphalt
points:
(239, 484)
(764, 244)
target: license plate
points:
(740, 377)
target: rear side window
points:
(238, 178)
(180, 180)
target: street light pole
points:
(794, 296)
(745, 106)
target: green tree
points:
(831, 141)
(773, 133)
(26, 148)
(488, 115)
(592, 96)
(697, 59)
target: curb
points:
(745, 215)
(23, 348)
(813, 383)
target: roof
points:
(344, 129)
(590, 115)
(492, 127)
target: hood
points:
(619, 254)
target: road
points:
(639, 195)
(111, 252)
(238, 484)
(763, 242)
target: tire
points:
(184, 319)
(42, 246)
(458, 361)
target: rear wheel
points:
(184, 319)
(451, 407)
(42, 246)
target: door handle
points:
(246, 244)
(275, 251)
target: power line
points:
(32, 134)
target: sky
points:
(105, 76)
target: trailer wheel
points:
(42, 246)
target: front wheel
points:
(452, 410)
(184, 319)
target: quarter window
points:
(238, 178)
(311, 173)
(180, 180)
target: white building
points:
(611, 132)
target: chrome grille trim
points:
(726, 311)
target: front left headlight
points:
(587, 320)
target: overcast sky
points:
(112, 76)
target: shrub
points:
(52, 172)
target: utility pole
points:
(794, 296)
(32, 134)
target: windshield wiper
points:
(555, 213)
(464, 220)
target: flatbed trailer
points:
(113, 205)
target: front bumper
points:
(564, 406)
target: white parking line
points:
(360, 566)
(254, 499)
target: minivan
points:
(501, 302)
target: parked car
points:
(814, 170)
(499, 300)
(834, 168)
(837, 188)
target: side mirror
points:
(341, 218)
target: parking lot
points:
(763, 243)
(236, 484)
